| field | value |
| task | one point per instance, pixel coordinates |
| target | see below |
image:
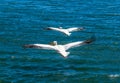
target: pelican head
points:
(54, 43)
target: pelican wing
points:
(74, 29)
(39, 46)
(52, 28)
(73, 44)
(79, 43)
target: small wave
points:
(114, 75)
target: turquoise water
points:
(23, 22)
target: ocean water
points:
(24, 22)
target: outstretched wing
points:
(73, 44)
(79, 43)
(75, 29)
(52, 28)
(39, 46)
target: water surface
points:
(23, 22)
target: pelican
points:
(61, 49)
(65, 31)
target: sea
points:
(25, 21)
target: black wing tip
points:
(48, 28)
(81, 28)
(28, 46)
(92, 39)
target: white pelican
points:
(62, 49)
(65, 31)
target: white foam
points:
(114, 75)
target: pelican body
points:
(61, 49)
(65, 31)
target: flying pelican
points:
(65, 31)
(61, 49)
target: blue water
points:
(23, 22)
